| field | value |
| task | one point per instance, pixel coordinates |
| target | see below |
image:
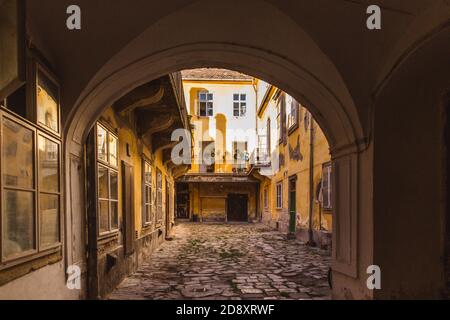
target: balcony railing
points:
(260, 157)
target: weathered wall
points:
(223, 127)
(131, 151)
(296, 162)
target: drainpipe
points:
(311, 184)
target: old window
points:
(30, 188)
(159, 196)
(47, 101)
(205, 104)
(279, 190)
(239, 105)
(147, 210)
(326, 186)
(266, 198)
(30, 183)
(108, 180)
(281, 119)
(292, 116)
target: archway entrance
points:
(328, 111)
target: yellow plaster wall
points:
(137, 150)
(301, 169)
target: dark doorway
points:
(237, 209)
(182, 201)
(128, 207)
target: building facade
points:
(258, 155)
(293, 157)
(222, 110)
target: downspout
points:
(311, 184)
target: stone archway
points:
(312, 79)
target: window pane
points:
(236, 109)
(202, 96)
(235, 97)
(103, 182)
(202, 108)
(18, 155)
(101, 144)
(148, 194)
(148, 209)
(103, 219)
(48, 164)
(148, 173)
(114, 215)
(112, 150)
(243, 109)
(113, 182)
(210, 96)
(47, 102)
(243, 97)
(49, 219)
(18, 222)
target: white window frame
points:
(112, 168)
(209, 108)
(241, 104)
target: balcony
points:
(260, 158)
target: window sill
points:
(29, 258)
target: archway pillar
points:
(352, 221)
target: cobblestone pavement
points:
(244, 261)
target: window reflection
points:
(48, 164)
(47, 102)
(49, 219)
(102, 152)
(18, 222)
(17, 150)
(112, 150)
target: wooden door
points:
(237, 209)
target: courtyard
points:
(229, 262)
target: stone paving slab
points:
(229, 262)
